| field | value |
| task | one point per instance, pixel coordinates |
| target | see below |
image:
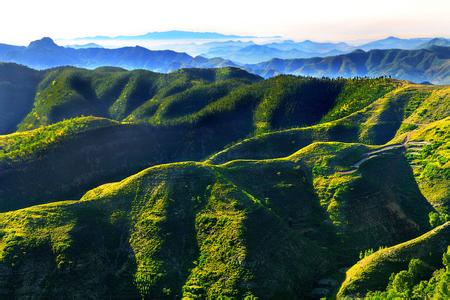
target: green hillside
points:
(216, 214)
(181, 119)
(429, 157)
(18, 86)
(115, 93)
(405, 108)
(372, 272)
(215, 183)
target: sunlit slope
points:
(405, 108)
(429, 156)
(72, 161)
(317, 171)
(195, 114)
(372, 273)
(194, 230)
(66, 159)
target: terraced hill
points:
(217, 183)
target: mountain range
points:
(44, 53)
(218, 183)
(252, 49)
(255, 53)
(84, 46)
(423, 65)
(393, 42)
(420, 65)
(250, 52)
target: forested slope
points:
(217, 183)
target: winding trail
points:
(376, 153)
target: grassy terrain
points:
(194, 229)
(373, 272)
(27, 145)
(189, 96)
(431, 163)
(116, 93)
(317, 174)
(377, 123)
(357, 94)
(164, 117)
(419, 281)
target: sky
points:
(22, 21)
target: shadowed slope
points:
(18, 86)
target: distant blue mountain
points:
(255, 53)
(84, 46)
(44, 54)
(431, 63)
(435, 42)
(393, 42)
(249, 52)
(171, 35)
(418, 65)
(312, 47)
(232, 47)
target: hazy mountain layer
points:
(424, 65)
(44, 54)
(169, 35)
(307, 58)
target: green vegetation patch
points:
(26, 145)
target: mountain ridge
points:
(392, 62)
(44, 54)
(418, 65)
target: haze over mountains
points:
(250, 52)
(428, 63)
(252, 49)
(44, 53)
(423, 65)
(170, 35)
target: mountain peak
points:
(45, 42)
(392, 38)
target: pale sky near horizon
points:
(324, 20)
